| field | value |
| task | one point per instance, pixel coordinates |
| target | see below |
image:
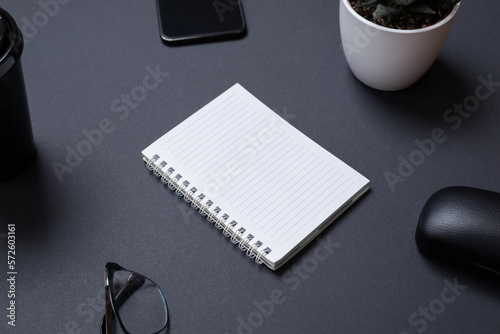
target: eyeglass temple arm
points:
(107, 319)
(134, 282)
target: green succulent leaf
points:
(420, 8)
(450, 3)
(401, 2)
(386, 12)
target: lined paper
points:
(269, 177)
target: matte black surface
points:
(363, 275)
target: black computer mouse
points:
(462, 225)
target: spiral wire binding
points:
(230, 230)
(228, 227)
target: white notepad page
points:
(259, 171)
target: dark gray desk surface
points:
(109, 208)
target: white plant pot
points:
(390, 59)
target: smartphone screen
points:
(189, 21)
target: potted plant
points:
(390, 44)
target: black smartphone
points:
(191, 21)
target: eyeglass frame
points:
(111, 309)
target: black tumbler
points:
(17, 147)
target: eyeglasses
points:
(136, 301)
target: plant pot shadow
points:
(425, 102)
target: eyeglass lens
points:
(138, 302)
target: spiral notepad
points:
(264, 184)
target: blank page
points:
(259, 171)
